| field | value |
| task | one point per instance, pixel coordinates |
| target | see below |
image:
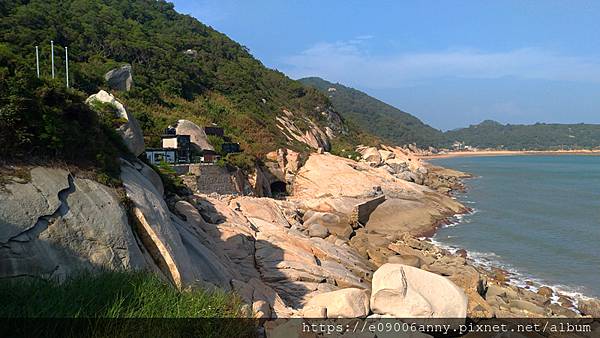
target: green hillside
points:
(539, 136)
(375, 116)
(181, 69)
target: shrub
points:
(239, 160)
(124, 295)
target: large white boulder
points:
(198, 137)
(344, 303)
(130, 131)
(408, 292)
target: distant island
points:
(397, 126)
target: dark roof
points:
(161, 149)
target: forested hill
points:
(399, 127)
(181, 69)
(375, 116)
(539, 136)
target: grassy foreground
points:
(116, 302)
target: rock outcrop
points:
(177, 249)
(312, 136)
(314, 254)
(405, 164)
(120, 78)
(130, 131)
(344, 183)
(406, 292)
(56, 225)
(344, 303)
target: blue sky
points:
(450, 63)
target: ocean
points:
(536, 216)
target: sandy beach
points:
(512, 153)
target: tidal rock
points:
(344, 303)
(527, 307)
(405, 291)
(590, 307)
(545, 291)
(130, 131)
(120, 78)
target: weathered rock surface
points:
(130, 131)
(335, 224)
(313, 136)
(405, 292)
(317, 230)
(371, 155)
(120, 78)
(69, 225)
(344, 303)
(306, 255)
(177, 249)
(590, 307)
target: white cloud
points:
(350, 62)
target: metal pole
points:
(37, 61)
(52, 49)
(67, 64)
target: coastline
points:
(498, 272)
(483, 153)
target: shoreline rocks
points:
(307, 255)
(404, 291)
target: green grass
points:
(130, 295)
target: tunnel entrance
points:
(278, 188)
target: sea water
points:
(535, 216)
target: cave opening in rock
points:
(278, 188)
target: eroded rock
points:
(404, 291)
(344, 303)
(120, 78)
(130, 131)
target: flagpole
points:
(67, 64)
(52, 50)
(37, 61)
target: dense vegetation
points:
(181, 68)
(125, 295)
(40, 119)
(376, 117)
(539, 136)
